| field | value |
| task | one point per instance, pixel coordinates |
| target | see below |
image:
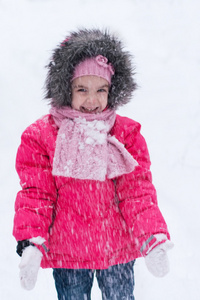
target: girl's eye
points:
(102, 91)
(82, 90)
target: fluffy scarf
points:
(84, 147)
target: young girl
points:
(87, 204)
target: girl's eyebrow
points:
(105, 85)
(78, 86)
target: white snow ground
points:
(164, 38)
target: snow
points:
(95, 131)
(164, 39)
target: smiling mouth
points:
(89, 110)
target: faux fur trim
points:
(79, 46)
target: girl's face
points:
(90, 94)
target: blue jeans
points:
(115, 283)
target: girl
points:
(87, 203)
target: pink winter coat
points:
(86, 223)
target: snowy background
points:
(164, 37)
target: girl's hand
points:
(157, 260)
(29, 266)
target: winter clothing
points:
(87, 200)
(157, 260)
(82, 45)
(85, 149)
(21, 245)
(115, 283)
(29, 267)
(86, 223)
(96, 66)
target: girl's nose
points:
(92, 99)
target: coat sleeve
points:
(35, 202)
(137, 195)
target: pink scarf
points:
(84, 147)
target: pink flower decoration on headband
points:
(103, 61)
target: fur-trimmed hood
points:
(83, 44)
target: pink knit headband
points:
(97, 66)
